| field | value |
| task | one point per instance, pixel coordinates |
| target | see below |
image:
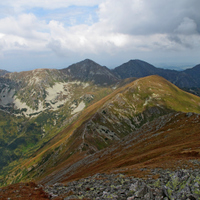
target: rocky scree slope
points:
(125, 111)
(181, 184)
(33, 92)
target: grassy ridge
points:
(158, 90)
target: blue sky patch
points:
(71, 16)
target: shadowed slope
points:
(139, 68)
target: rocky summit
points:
(89, 70)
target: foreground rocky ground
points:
(181, 184)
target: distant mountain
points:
(2, 72)
(88, 70)
(32, 92)
(138, 68)
(194, 73)
(135, 68)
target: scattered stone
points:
(181, 184)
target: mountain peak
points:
(135, 68)
(88, 70)
(136, 60)
(3, 72)
(86, 63)
(87, 60)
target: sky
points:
(58, 33)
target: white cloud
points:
(145, 17)
(84, 39)
(151, 25)
(23, 33)
(25, 25)
(187, 26)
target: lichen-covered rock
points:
(181, 184)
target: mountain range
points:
(88, 70)
(137, 68)
(62, 125)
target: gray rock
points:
(192, 197)
(181, 184)
(142, 191)
(131, 198)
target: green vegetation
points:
(21, 137)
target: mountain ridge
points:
(108, 121)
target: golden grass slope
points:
(155, 90)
